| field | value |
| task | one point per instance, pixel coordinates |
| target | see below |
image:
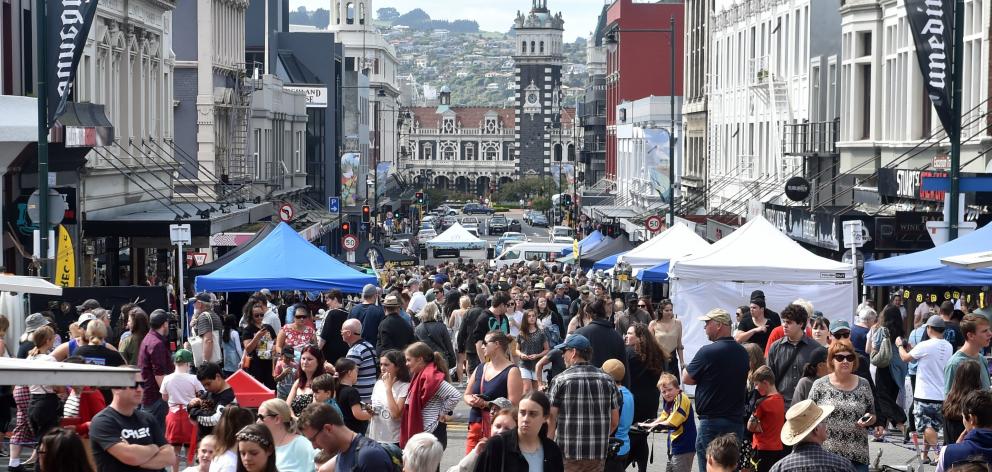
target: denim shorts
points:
(928, 414)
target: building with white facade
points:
(695, 73)
(759, 81)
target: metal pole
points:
(181, 296)
(671, 137)
(955, 134)
(375, 183)
(42, 62)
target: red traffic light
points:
(366, 213)
(345, 228)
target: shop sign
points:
(316, 96)
(906, 183)
(906, 231)
(818, 229)
(716, 231)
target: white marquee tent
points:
(757, 257)
(456, 237)
(673, 243)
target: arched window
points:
(361, 13)
(523, 47)
(542, 47)
(532, 47)
(337, 11)
(351, 13)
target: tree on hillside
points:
(388, 14)
(321, 18)
(300, 16)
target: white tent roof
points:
(25, 284)
(456, 237)
(758, 251)
(673, 243)
(14, 371)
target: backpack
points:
(395, 453)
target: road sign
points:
(653, 223)
(180, 234)
(350, 242)
(286, 212)
(196, 258)
(334, 205)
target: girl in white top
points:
(293, 451)
(388, 397)
(225, 458)
(204, 455)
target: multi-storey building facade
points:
(593, 108)
(696, 71)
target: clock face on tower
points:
(531, 97)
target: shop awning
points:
(152, 219)
(83, 125)
(25, 284)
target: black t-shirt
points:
(249, 333)
(347, 397)
(109, 427)
(720, 371)
(466, 329)
(100, 355)
(334, 347)
(761, 339)
(24, 348)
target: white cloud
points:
(492, 15)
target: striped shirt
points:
(678, 414)
(443, 401)
(364, 355)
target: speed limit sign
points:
(350, 242)
(653, 224)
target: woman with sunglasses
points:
(259, 341)
(853, 402)
(298, 334)
(293, 451)
(311, 367)
(667, 330)
(497, 378)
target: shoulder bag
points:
(196, 344)
(882, 356)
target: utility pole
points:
(42, 65)
(954, 134)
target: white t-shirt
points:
(417, 302)
(933, 355)
(383, 427)
(227, 462)
(515, 321)
(181, 388)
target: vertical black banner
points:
(69, 24)
(931, 23)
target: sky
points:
(492, 15)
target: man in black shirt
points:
(330, 340)
(607, 342)
(369, 313)
(395, 333)
(125, 438)
(493, 319)
(465, 331)
(206, 412)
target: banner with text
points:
(931, 22)
(69, 24)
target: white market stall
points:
(13, 297)
(757, 257)
(14, 371)
(673, 243)
(455, 242)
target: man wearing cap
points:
(585, 408)
(788, 356)
(805, 432)
(931, 355)
(155, 363)
(395, 333)
(719, 372)
(417, 299)
(208, 326)
(369, 313)
(562, 301)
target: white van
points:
(523, 252)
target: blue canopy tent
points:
(284, 261)
(586, 243)
(925, 268)
(607, 263)
(658, 273)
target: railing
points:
(758, 70)
(811, 139)
(461, 164)
(461, 132)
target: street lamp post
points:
(612, 40)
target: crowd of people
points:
(557, 372)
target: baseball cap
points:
(584, 289)
(936, 322)
(575, 341)
(839, 325)
(615, 368)
(717, 314)
(85, 318)
(183, 356)
(559, 286)
(88, 305)
(205, 297)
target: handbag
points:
(196, 345)
(882, 356)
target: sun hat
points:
(801, 419)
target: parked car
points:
(470, 221)
(508, 239)
(538, 219)
(497, 225)
(514, 225)
(562, 232)
(477, 209)
(528, 214)
(447, 222)
(425, 235)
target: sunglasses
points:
(262, 417)
(841, 335)
(641, 305)
(137, 384)
(302, 317)
(845, 357)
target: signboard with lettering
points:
(316, 95)
(907, 231)
(818, 229)
(906, 183)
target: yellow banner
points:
(65, 260)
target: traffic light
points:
(366, 214)
(345, 228)
(566, 200)
(420, 198)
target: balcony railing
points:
(811, 138)
(462, 132)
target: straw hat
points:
(801, 419)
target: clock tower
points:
(537, 61)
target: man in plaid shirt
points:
(585, 408)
